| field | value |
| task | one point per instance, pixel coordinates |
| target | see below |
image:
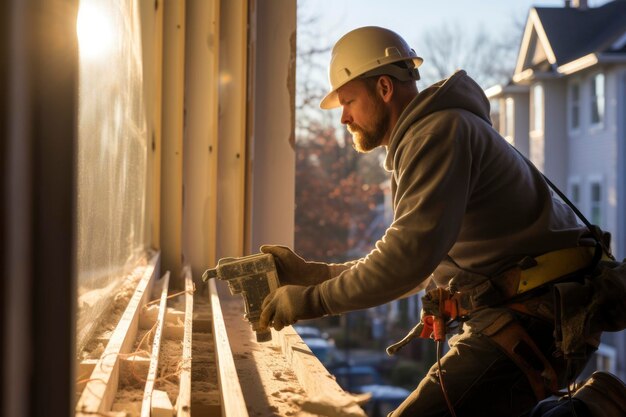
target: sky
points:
(410, 18)
(413, 19)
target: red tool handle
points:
(434, 327)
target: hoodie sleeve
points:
(433, 176)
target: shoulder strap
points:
(594, 230)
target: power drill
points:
(254, 277)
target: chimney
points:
(579, 4)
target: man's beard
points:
(366, 140)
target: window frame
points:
(600, 204)
(574, 104)
(597, 102)
(509, 120)
(537, 112)
(575, 181)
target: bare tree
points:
(312, 54)
(488, 59)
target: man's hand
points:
(290, 303)
(292, 269)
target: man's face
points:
(364, 114)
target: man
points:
(468, 210)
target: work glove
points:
(292, 269)
(290, 303)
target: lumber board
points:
(313, 376)
(99, 392)
(161, 405)
(233, 402)
(183, 404)
(133, 367)
(83, 372)
(146, 404)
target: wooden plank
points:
(171, 209)
(99, 393)
(84, 370)
(146, 404)
(202, 20)
(152, 49)
(183, 404)
(161, 406)
(324, 395)
(232, 124)
(133, 367)
(233, 402)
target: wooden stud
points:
(146, 405)
(183, 404)
(233, 402)
(84, 370)
(161, 406)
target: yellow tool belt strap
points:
(529, 274)
(535, 272)
(554, 265)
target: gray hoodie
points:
(465, 203)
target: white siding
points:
(521, 108)
(555, 132)
(620, 115)
(593, 150)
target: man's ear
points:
(384, 88)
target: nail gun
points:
(254, 277)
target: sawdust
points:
(110, 318)
(128, 400)
(269, 385)
(204, 380)
(167, 374)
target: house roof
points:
(567, 39)
(574, 33)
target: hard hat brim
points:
(331, 100)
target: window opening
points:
(596, 203)
(509, 120)
(597, 99)
(575, 106)
(538, 109)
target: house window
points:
(595, 203)
(537, 120)
(597, 99)
(509, 126)
(575, 106)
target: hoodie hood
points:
(459, 91)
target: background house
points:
(565, 109)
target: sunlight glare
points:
(95, 31)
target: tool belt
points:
(527, 277)
(509, 289)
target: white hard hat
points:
(369, 51)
